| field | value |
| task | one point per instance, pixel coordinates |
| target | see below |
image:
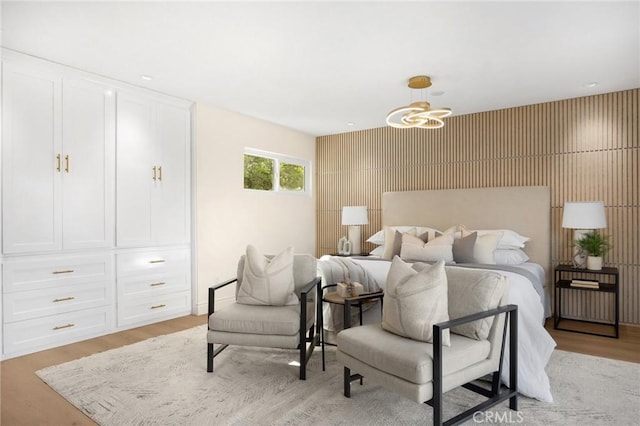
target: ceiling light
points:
(418, 113)
(592, 84)
(146, 77)
(351, 123)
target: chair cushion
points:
(256, 319)
(415, 301)
(267, 281)
(408, 359)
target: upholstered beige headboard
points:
(525, 209)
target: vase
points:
(594, 263)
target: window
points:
(266, 171)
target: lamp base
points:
(579, 256)
(354, 236)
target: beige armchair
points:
(424, 371)
(289, 326)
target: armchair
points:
(424, 371)
(289, 326)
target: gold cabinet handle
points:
(60, 327)
(64, 271)
(58, 162)
(63, 299)
(162, 305)
(159, 172)
(157, 261)
(157, 284)
(154, 172)
(66, 163)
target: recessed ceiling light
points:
(351, 123)
(146, 77)
(592, 84)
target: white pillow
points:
(471, 291)
(440, 248)
(377, 252)
(415, 301)
(267, 281)
(378, 237)
(485, 246)
(510, 256)
(509, 239)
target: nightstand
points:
(604, 281)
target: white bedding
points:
(534, 342)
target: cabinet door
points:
(31, 176)
(134, 170)
(170, 219)
(88, 137)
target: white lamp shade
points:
(584, 215)
(354, 215)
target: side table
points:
(335, 298)
(564, 274)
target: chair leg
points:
(303, 356)
(347, 382)
(209, 357)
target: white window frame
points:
(306, 164)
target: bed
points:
(525, 210)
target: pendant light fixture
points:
(419, 113)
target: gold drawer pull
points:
(157, 261)
(60, 327)
(158, 306)
(64, 271)
(62, 299)
(157, 284)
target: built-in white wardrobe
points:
(96, 205)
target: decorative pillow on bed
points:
(510, 257)
(415, 301)
(508, 239)
(485, 246)
(378, 237)
(267, 281)
(440, 248)
(463, 248)
(471, 291)
(394, 248)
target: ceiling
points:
(316, 66)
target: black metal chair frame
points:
(498, 392)
(313, 337)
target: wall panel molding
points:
(583, 149)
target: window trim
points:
(278, 158)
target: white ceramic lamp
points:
(354, 216)
(583, 217)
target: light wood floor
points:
(26, 400)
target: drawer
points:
(26, 274)
(172, 261)
(137, 310)
(23, 305)
(152, 284)
(41, 333)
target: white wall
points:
(229, 217)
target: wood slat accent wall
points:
(583, 149)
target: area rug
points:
(163, 381)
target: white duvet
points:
(534, 342)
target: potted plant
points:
(595, 245)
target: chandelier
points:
(418, 114)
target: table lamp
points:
(583, 217)
(354, 216)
